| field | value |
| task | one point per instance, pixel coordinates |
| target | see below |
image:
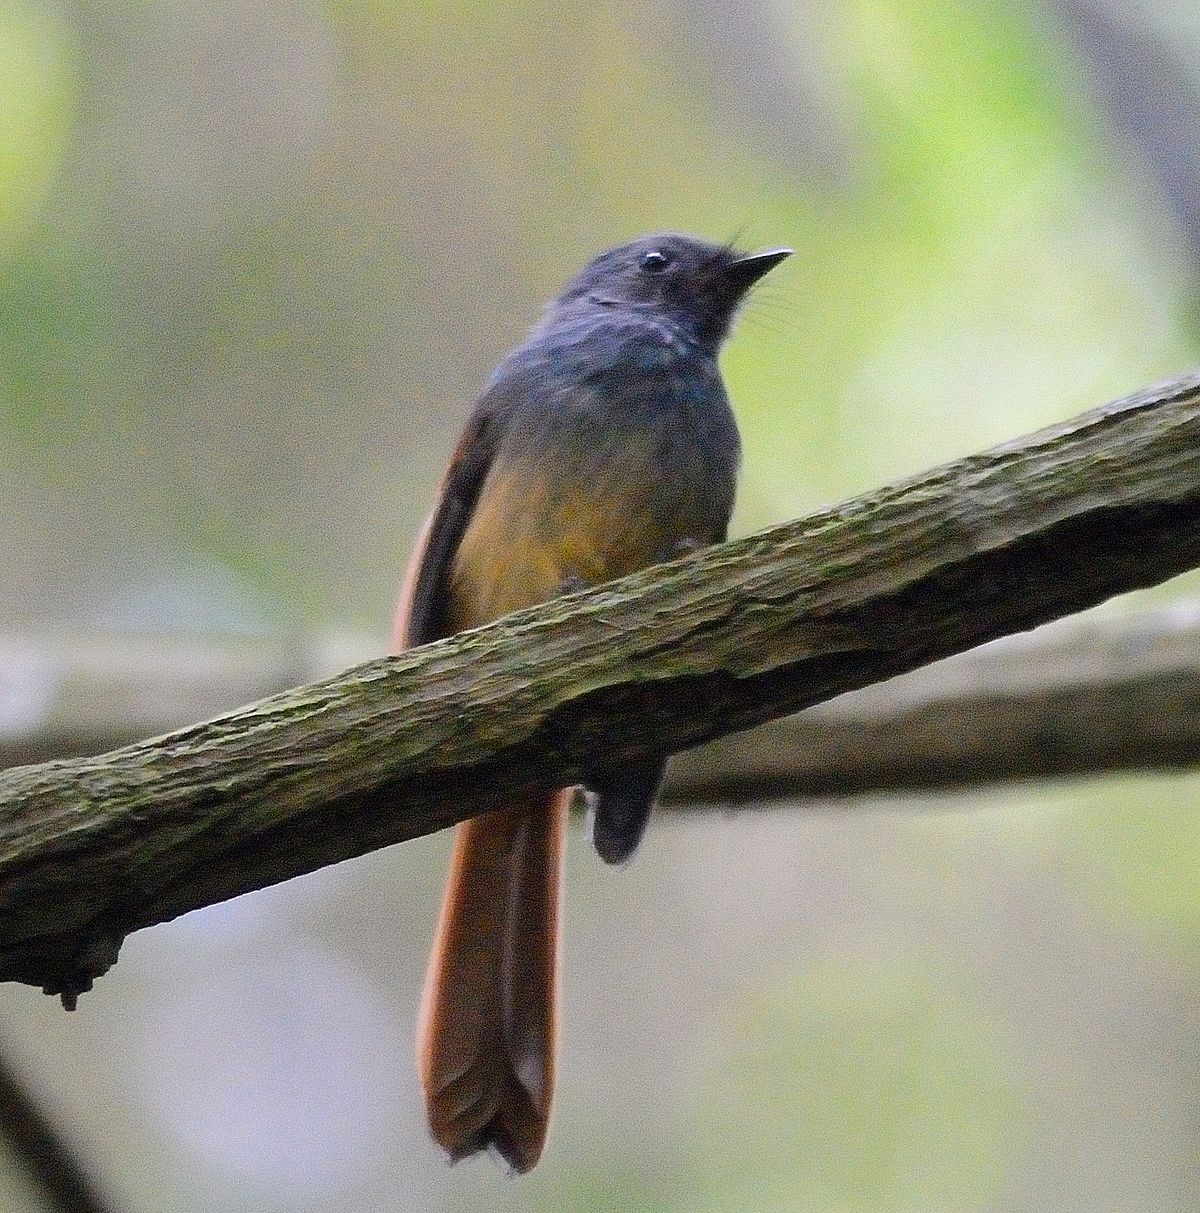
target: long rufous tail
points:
(488, 1029)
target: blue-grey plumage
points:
(595, 475)
(603, 444)
(597, 445)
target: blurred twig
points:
(736, 635)
(42, 1152)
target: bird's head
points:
(695, 284)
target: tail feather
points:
(487, 1035)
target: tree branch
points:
(1082, 696)
(1076, 698)
(998, 542)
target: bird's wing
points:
(421, 606)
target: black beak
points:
(721, 291)
(743, 273)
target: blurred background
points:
(255, 262)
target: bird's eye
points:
(654, 262)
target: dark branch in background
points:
(91, 849)
(1084, 696)
(42, 1153)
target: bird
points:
(603, 444)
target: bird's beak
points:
(722, 290)
(746, 271)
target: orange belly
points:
(529, 537)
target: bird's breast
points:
(596, 485)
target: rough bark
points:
(998, 542)
(1079, 697)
